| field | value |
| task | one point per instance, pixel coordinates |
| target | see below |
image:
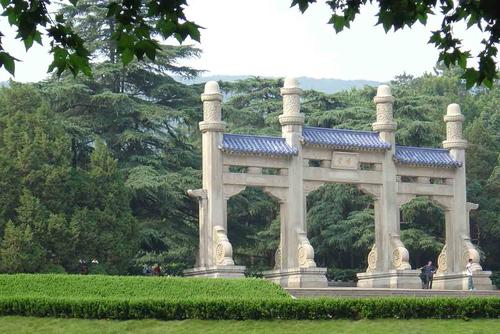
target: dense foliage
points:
(98, 167)
(68, 195)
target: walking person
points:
(428, 272)
(468, 269)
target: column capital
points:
(384, 104)
(291, 105)
(454, 136)
(212, 126)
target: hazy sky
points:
(267, 38)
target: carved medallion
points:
(219, 253)
(372, 259)
(397, 259)
(442, 260)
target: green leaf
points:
(471, 76)
(28, 42)
(193, 31)
(127, 56)
(37, 37)
(114, 8)
(73, 2)
(338, 21)
(7, 61)
(303, 4)
(59, 18)
(462, 59)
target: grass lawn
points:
(30, 325)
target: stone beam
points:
(342, 176)
(254, 161)
(424, 189)
(425, 171)
(255, 180)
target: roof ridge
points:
(337, 129)
(253, 136)
(422, 148)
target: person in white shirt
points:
(468, 268)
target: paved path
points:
(382, 292)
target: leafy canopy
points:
(397, 14)
(137, 23)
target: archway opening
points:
(422, 230)
(253, 229)
(340, 220)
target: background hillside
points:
(322, 85)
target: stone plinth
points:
(403, 279)
(216, 272)
(298, 277)
(460, 281)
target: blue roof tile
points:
(424, 156)
(248, 144)
(343, 139)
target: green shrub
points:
(495, 278)
(344, 275)
(243, 309)
(53, 269)
(169, 298)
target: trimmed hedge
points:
(116, 287)
(241, 309)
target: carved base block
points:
(216, 272)
(298, 277)
(402, 279)
(460, 281)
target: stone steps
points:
(381, 292)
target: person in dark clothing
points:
(423, 278)
(84, 268)
(428, 272)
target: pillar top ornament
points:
(291, 103)
(291, 87)
(212, 117)
(212, 92)
(384, 95)
(454, 120)
(453, 114)
(384, 101)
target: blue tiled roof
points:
(424, 156)
(343, 139)
(248, 144)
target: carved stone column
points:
(459, 248)
(296, 253)
(215, 255)
(388, 260)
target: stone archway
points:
(304, 158)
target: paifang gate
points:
(392, 174)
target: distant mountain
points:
(322, 85)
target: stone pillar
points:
(215, 253)
(458, 248)
(388, 261)
(297, 266)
